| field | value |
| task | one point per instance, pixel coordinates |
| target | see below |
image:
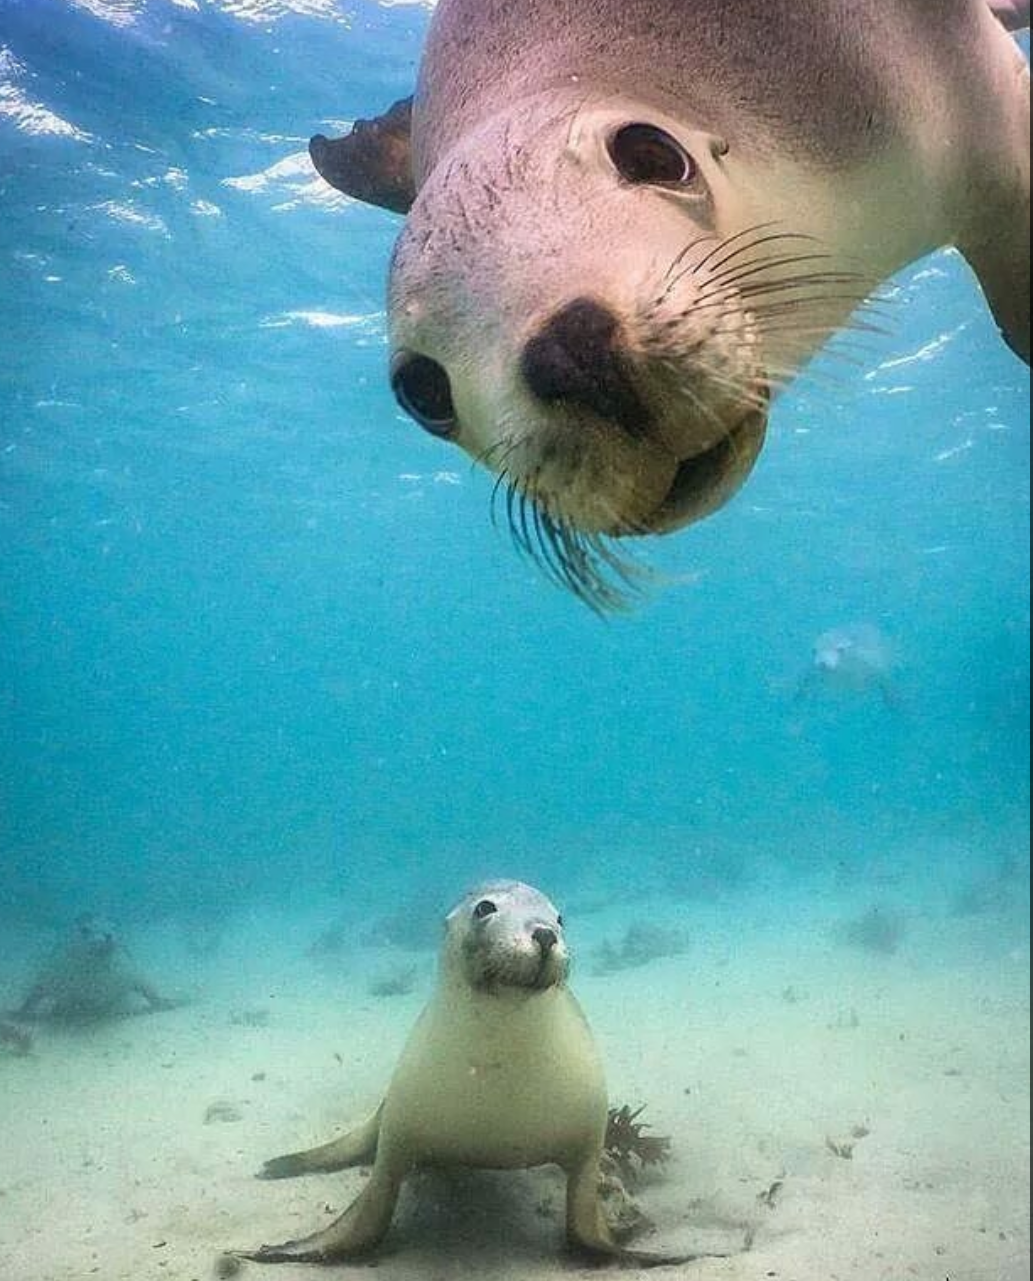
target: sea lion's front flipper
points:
(588, 1231)
(357, 1230)
(372, 163)
(353, 1148)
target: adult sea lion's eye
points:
(484, 908)
(646, 154)
(422, 389)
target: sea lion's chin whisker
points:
(533, 975)
(569, 508)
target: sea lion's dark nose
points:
(577, 356)
(545, 938)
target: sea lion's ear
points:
(372, 163)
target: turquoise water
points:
(259, 633)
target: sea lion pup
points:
(852, 658)
(500, 1072)
(88, 978)
(631, 222)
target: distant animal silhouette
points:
(88, 978)
(853, 658)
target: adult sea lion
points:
(631, 221)
(500, 1072)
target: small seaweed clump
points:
(877, 930)
(641, 944)
(397, 982)
(250, 1018)
(415, 926)
(993, 892)
(628, 1147)
(15, 1040)
(329, 942)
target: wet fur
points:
(834, 142)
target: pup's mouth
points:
(550, 974)
(519, 973)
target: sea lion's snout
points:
(578, 356)
(545, 938)
(615, 379)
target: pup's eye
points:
(484, 908)
(422, 389)
(646, 154)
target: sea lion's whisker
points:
(726, 241)
(576, 570)
(743, 271)
(788, 323)
(718, 242)
(729, 302)
(682, 254)
(511, 499)
(783, 315)
(550, 557)
(737, 261)
(740, 387)
(783, 377)
(564, 569)
(810, 332)
(514, 518)
(695, 268)
(759, 288)
(713, 267)
(500, 480)
(512, 444)
(525, 511)
(631, 574)
(742, 392)
(483, 459)
(611, 597)
(799, 304)
(577, 554)
(569, 558)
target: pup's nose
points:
(545, 938)
(577, 356)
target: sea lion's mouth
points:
(549, 974)
(493, 969)
(705, 481)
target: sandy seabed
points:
(128, 1150)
